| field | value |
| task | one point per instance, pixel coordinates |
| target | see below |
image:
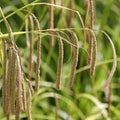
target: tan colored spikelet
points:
(38, 64)
(9, 74)
(94, 9)
(29, 104)
(55, 2)
(8, 28)
(51, 21)
(9, 81)
(13, 81)
(92, 12)
(23, 95)
(30, 86)
(19, 82)
(94, 54)
(87, 6)
(17, 112)
(4, 86)
(38, 57)
(75, 58)
(31, 47)
(114, 62)
(8, 116)
(71, 14)
(10, 90)
(90, 49)
(60, 62)
(92, 21)
(27, 29)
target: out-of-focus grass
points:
(78, 102)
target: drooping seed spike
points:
(75, 58)
(31, 47)
(87, 7)
(114, 62)
(92, 12)
(94, 54)
(29, 104)
(90, 48)
(19, 82)
(51, 21)
(9, 71)
(13, 82)
(71, 15)
(17, 112)
(23, 95)
(30, 86)
(8, 116)
(9, 28)
(92, 21)
(55, 2)
(60, 62)
(4, 86)
(27, 35)
(94, 9)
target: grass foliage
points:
(67, 51)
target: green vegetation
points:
(31, 52)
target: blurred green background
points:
(85, 100)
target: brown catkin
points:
(9, 74)
(94, 9)
(4, 86)
(23, 96)
(38, 57)
(27, 34)
(55, 2)
(90, 49)
(19, 82)
(92, 21)
(29, 104)
(60, 62)
(114, 61)
(51, 21)
(31, 47)
(94, 54)
(75, 58)
(92, 12)
(13, 81)
(30, 86)
(17, 112)
(8, 116)
(71, 15)
(87, 6)
(11, 40)
(9, 71)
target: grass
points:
(85, 100)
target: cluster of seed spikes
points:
(30, 46)
(73, 38)
(92, 50)
(13, 79)
(13, 90)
